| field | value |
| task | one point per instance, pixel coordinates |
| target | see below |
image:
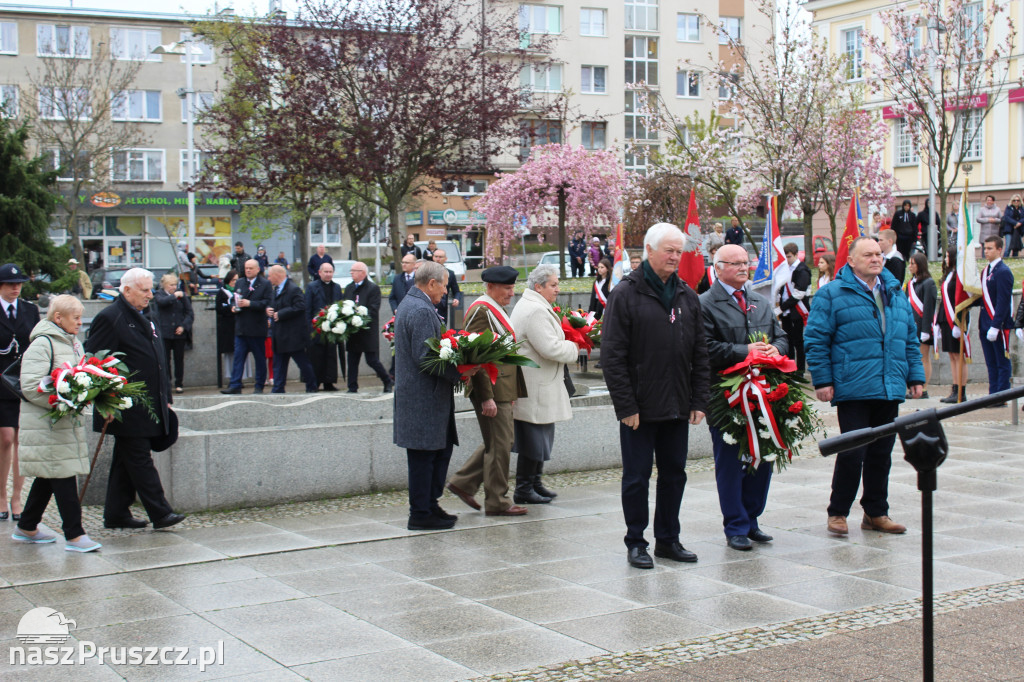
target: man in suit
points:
(996, 315)
(894, 261)
(403, 282)
(794, 304)
(428, 435)
(732, 312)
(289, 329)
(317, 259)
(452, 296)
(252, 296)
(734, 235)
(125, 326)
(493, 404)
(366, 342)
(17, 319)
(320, 293)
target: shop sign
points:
(113, 199)
(452, 217)
(414, 217)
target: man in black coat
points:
(316, 260)
(578, 255)
(365, 342)
(734, 235)
(794, 304)
(729, 321)
(125, 326)
(452, 296)
(403, 282)
(904, 224)
(289, 329)
(320, 293)
(655, 365)
(252, 296)
(239, 257)
(17, 319)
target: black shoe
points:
(231, 391)
(257, 391)
(442, 514)
(639, 558)
(759, 535)
(330, 387)
(740, 542)
(430, 523)
(171, 519)
(352, 390)
(674, 551)
(538, 486)
(951, 398)
(130, 522)
(389, 387)
(525, 494)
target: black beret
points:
(500, 274)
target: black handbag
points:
(570, 387)
(11, 377)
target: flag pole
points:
(960, 316)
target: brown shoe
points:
(464, 496)
(883, 524)
(837, 525)
(511, 511)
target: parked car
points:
(822, 246)
(551, 258)
(455, 262)
(343, 272)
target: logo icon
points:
(43, 625)
(105, 199)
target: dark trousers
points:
(871, 462)
(427, 472)
(65, 491)
(999, 368)
(306, 371)
(321, 356)
(904, 245)
(176, 347)
(577, 267)
(794, 329)
(257, 345)
(741, 496)
(666, 443)
(372, 361)
(132, 471)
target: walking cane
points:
(103, 433)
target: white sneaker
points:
(42, 536)
(82, 544)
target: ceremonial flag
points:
(854, 228)
(968, 282)
(772, 255)
(691, 264)
(620, 264)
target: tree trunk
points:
(561, 233)
(808, 211)
(300, 223)
(396, 236)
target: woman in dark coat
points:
(1011, 227)
(926, 224)
(174, 309)
(225, 318)
(602, 287)
(922, 294)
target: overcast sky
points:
(248, 7)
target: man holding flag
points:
(967, 286)
(996, 315)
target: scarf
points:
(665, 291)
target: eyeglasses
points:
(735, 264)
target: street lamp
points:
(932, 24)
(188, 49)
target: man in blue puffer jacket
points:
(863, 355)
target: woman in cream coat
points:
(539, 329)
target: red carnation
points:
(727, 394)
(796, 407)
(557, 309)
(52, 400)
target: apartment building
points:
(996, 156)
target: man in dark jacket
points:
(320, 293)
(289, 330)
(794, 304)
(734, 235)
(732, 312)
(126, 327)
(904, 224)
(175, 315)
(578, 255)
(996, 315)
(452, 296)
(655, 365)
(894, 262)
(252, 296)
(317, 259)
(239, 257)
(403, 282)
(366, 342)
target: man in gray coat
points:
(424, 418)
(732, 313)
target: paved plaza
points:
(340, 590)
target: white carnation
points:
(348, 307)
(80, 398)
(729, 438)
(356, 321)
(792, 423)
(361, 310)
(446, 343)
(770, 458)
(446, 353)
(63, 387)
(765, 434)
(332, 314)
(125, 403)
(340, 327)
(474, 336)
(761, 421)
(326, 326)
(83, 380)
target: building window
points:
(136, 105)
(201, 158)
(974, 26)
(9, 101)
(687, 84)
(684, 136)
(594, 134)
(639, 106)
(906, 147)
(65, 104)
(688, 28)
(53, 40)
(540, 19)
(464, 187)
(541, 79)
(206, 56)
(325, 230)
(730, 30)
(853, 50)
(973, 133)
(638, 159)
(8, 37)
(727, 85)
(641, 60)
(641, 15)
(204, 100)
(138, 165)
(592, 21)
(537, 132)
(134, 44)
(592, 80)
(67, 170)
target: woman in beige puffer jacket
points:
(54, 453)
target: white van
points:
(455, 262)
